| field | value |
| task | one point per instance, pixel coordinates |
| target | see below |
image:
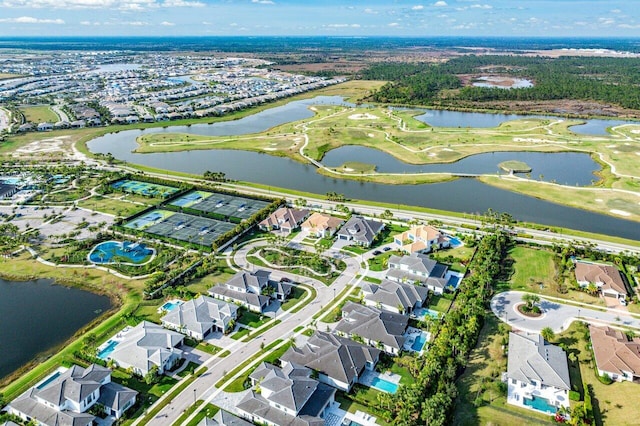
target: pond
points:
(36, 316)
(567, 168)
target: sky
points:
(582, 18)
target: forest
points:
(608, 80)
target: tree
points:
(530, 300)
(547, 334)
(152, 376)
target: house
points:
(339, 361)
(45, 127)
(147, 345)
(421, 239)
(7, 190)
(394, 296)
(287, 396)
(380, 329)
(419, 269)
(321, 225)
(224, 418)
(606, 277)
(198, 317)
(251, 290)
(617, 355)
(537, 374)
(65, 396)
(284, 219)
(360, 230)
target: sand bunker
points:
(447, 149)
(365, 116)
(635, 131)
(599, 200)
(347, 169)
(620, 212)
(270, 149)
(612, 146)
(371, 135)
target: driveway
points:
(556, 315)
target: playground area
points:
(144, 188)
(222, 204)
(123, 252)
(180, 226)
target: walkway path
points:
(556, 314)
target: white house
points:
(421, 239)
(418, 269)
(198, 317)
(65, 396)
(537, 374)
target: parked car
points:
(386, 248)
(377, 252)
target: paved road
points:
(203, 387)
(556, 315)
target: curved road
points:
(556, 315)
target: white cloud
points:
(343, 26)
(182, 3)
(167, 24)
(481, 6)
(32, 20)
(129, 5)
(262, 1)
(418, 7)
(393, 24)
(606, 21)
(629, 26)
(440, 3)
(370, 11)
(616, 11)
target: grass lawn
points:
(208, 411)
(40, 114)
(480, 400)
(296, 295)
(111, 206)
(534, 271)
(189, 369)
(238, 335)
(439, 303)
(352, 406)
(614, 404)
(251, 319)
(222, 274)
(238, 384)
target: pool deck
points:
(368, 377)
(412, 334)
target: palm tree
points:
(530, 300)
(547, 334)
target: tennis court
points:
(191, 198)
(228, 205)
(149, 219)
(144, 188)
(193, 229)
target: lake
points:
(463, 195)
(36, 316)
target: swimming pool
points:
(106, 351)
(418, 344)
(454, 242)
(131, 253)
(49, 380)
(421, 313)
(384, 385)
(540, 404)
(171, 305)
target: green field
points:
(40, 114)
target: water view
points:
(38, 315)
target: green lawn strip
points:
(348, 404)
(298, 328)
(189, 369)
(208, 411)
(340, 295)
(260, 332)
(336, 312)
(238, 384)
(297, 293)
(208, 348)
(299, 307)
(224, 353)
(238, 335)
(185, 415)
(236, 370)
(175, 392)
(372, 280)
(439, 303)
(251, 319)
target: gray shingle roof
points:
(337, 357)
(361, 229)
(373, 324)
(391, 293)
(201, 314)
(116, 396)
(75, 384)
(533, 358)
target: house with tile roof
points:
(147, 345)
(617, 355)
(419, 269)
(606, 277)
(65, 396)
(286, 396)
(537, 374)
(198, 317)
(361, 231)
(321, 225)
(377, 328)
(421, 239)
(339, 361)
(394, 296)
(284, 219)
